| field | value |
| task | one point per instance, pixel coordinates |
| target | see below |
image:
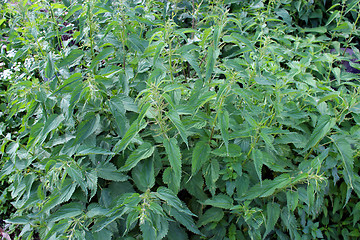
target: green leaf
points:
(320, 30)
(171, 199)
(76, 174)
(69, 210)
(323, 127)
(73, 58)
(223, 120)
(351, 5)
(108, 171)
(210, 63)
(334, 15)
(273, 214)
(234, 151)
(144, 151)
(135, 127)
(346, 155)
(292, 198)
(87, 127)
(268, 187)
(148, 230)
(101, 56)
(49, 67)
(85, 150)
(220, 201)
(200, 155)
(73, 10)
(183, 219)
(258, 162)
(175, 119)
(211, 215)
(40, 135)
(143, 175)
(173, 152)
(191, 59)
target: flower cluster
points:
(11, 53)
(16, 66)
(6, 74)
(29, 62)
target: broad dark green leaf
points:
(175, 119)
(220, 201)
(223, 120)
(87, 127)
(273, 214)
(144, 151)
(210, 63)
(211, 215)
(101, 56)
(69, 210)
(135, 127)
(346, 156)
(323, 126)
(71, 59)
(108, 171)
(173, 152)
(200, 155)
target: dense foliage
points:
(141, 119)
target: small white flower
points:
(28, 62)
(6, 74)
(16, 66)
(11, 53)
(2, 64)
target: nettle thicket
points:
(180, 119)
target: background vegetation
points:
(180, 119)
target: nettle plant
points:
(180, 119)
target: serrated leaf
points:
(211, 215)
(144, 151)
(220, 201)
(258, 162)
(135, 127)
(334, 15)
(183, 219)
(171, 199)
(76, 174)
(148, 230)
(200, 155)
(292, 199)
(223, 120)
(51, 123)
(346, 156)
(234, 151)
(210, 63)
(49, 67)
(143, 174)
(74, 56)
(87, 127)
(108, 171)
(323, 127)
(351, 5)
(273, 214)
(86, 150)
(190, 58)
(102, 55)
(173, 152)
(69, 210)
(175, 119)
